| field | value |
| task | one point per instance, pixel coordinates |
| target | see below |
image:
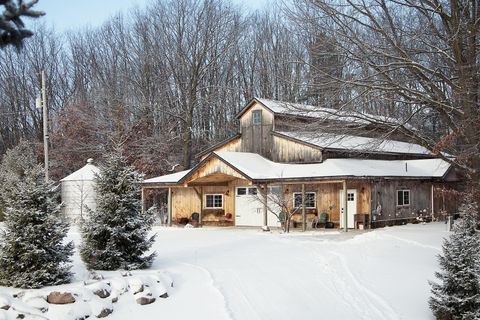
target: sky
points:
(67, 15)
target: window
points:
(252, 191)
(309, 199)
(403, 197)
(257, 117)
(214, 201)
(350, 196)
(241, 191)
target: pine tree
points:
(457, 296)
(115, 235)
(32, 249)
(12, 28)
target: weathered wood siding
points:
(257, 138)
(232, 146)
(217, 169)
(185, 201)
(288, 151)
(328, 198)
(385, 194)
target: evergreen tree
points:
(457, 296)
(32, 250)
(12, 28)
(115, 235)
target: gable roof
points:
(85, 173)
(218, 145)
(334, 141)
(309, 111)
(254, 167)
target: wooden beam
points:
(169, 206)
(200, 215)
(265, 207)
(345, 209)
(143, 200)
(304, 212)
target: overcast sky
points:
(72, 14)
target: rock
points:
(56, 297)
(5, 307)
(165, 295)
(20, 316)
(5, 302)
(115, 300)
(145, 300)
(102, 293)
(126, 274)
(100, 289)
(105, 312)
(95, 276)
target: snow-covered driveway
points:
(250, 275)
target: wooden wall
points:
(232, 146)
(214, 167)
(385, 193)
(257, 138)
(288, 151)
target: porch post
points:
(345, 214)
(304, 213)
(432, 202)
(265, 208)
(200, 216)
(143, 199)
(169, 206)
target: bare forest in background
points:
(166, 81)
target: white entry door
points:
(249, 208)
(351, 208)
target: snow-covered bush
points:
(115, 235)
(457, 296)
(32, 252)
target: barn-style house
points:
(316, 172)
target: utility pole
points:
(42, 103)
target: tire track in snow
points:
(213, 284)
(364, 296)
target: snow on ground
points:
(226, 273)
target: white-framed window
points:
(244, 191)
(403, 197)
(214, 201)
(310, 199)
(257, 117)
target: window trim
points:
(403, 197)
(213, 194)
(306, 207)
(253, 117)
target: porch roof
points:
(254, 167)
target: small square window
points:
(309, 199)
(214, 201)
(252, 191)
(350, 196)
(403, 197)
(257, 117)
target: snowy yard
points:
(247, 274)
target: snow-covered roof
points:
(257, 167)
(357, 143)
(169, 178)
(85, 173)
(297, 109)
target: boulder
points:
(165, 295)
(105, 312)
(56, 297)
(145, 300)
(5, 302)
(115, 300)
(38, 303)
(100, 289)
(126, 274)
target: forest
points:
(166, 81)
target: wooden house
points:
(293, 152)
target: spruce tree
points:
(457, 296)
(32, 249)
(115, 235)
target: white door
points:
(351, 208)
(249, 208)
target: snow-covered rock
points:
(57, 297)
(5, 301)
(100, 289)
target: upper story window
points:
(403, 197)
(257, 117)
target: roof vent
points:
(89, 160)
